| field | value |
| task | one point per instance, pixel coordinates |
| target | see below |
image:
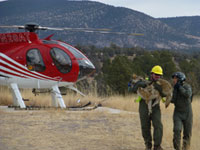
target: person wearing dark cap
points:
(183, 116)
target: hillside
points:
(63, 13)
(187, 25)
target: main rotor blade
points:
(88, 30)
(74, 29)
(13, 26)
(123, 33)
(93, 30)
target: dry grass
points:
(49, 130)
(118, 101)
(87, 130)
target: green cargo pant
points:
(182, 120)
(146, 120)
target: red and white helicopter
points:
(29, 62)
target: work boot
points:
(186, 145)
(147, 147)
(185, 148)
(157, 148)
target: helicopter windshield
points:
(74, 51)
(34, 60)
(61, 60)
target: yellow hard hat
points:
(157, 70)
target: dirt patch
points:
(61, 130)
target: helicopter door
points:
(34, 60)
(61, 60)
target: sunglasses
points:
(157, 75)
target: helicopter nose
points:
(86, 68)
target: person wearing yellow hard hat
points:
(157, 70)
(155, 117)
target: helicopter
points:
(26, 61)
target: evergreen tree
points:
(117, 74)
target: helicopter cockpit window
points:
(61, 60)
(34, 60)
(74, 51)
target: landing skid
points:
(78, 108)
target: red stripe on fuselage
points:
(18, 72)
(13, 74)
(25, 70)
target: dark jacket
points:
(182, 97)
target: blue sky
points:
(160, 8)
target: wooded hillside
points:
(115, 66)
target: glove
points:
(177, 85)
(159, 89)
(138, 85)
(129, 84)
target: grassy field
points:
(81, 130)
